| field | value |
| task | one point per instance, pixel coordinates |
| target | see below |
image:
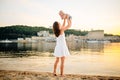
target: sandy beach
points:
(40, 68)
(29, 75)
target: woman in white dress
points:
(61, 49)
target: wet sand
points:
(29, 75)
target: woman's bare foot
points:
(62, 75)
(54, 74)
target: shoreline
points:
(32, 75)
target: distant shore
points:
(29, 75)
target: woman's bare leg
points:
(62, 66)
(55, 65)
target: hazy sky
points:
(86, 14)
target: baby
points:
(63, 15)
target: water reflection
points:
(95, 47)
(79, 46)
(8, 47)
(43, 46)
(23, 46)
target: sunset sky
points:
(86, 14)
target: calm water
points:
(49, 46)
(88, 58)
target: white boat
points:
(96, 41)
(92, 41)
(106, 41)
(6, 41)
(50, 39)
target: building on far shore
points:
(43, 33)
(112, 38)
(95, 35)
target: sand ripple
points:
(29, 75)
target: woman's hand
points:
(67, 16)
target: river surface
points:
(86, 58)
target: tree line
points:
(22, 31)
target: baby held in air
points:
(64, 15)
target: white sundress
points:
(61, 48)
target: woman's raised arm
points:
(68, 25)
(64, 22)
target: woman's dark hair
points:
(56, 28)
